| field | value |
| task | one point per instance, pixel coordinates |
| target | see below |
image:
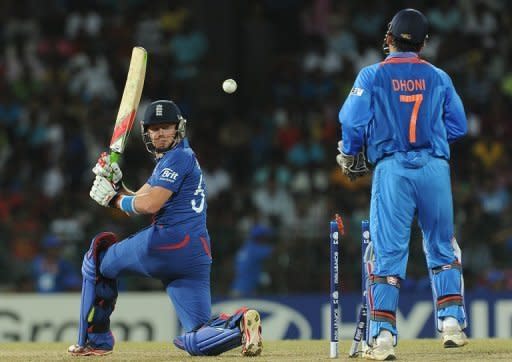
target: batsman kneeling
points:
(175, 248)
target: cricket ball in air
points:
(229, 86)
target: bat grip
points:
(114, 156)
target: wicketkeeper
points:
(402, 114)
(175, 248)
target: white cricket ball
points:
(229, 86)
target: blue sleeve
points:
(356, 112)
(171, 171)
(454, 115)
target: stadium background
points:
(267, 151)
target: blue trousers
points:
(401, 188)
(405, 185)
(180, 259)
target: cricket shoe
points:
(452, 334)
(76, 350)
(250, 326)
(382, 349)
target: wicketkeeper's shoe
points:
(250, 326)
(382, 349)
(453, 336)
(77, 350)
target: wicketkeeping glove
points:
(102, 191)
(110, 171)
(352, 166)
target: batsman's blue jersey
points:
(401, 104)
(175, 248)
(179, 171)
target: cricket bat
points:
(129, 102)
(124, 123)
(360, 342)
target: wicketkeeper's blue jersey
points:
(401, 104)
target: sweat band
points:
(127, 204)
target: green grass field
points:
(407, 350)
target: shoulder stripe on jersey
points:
(416, 60)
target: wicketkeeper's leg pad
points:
(218, 335)
(447, 287)
(99, 296)
(383, 301)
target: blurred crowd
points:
(267, 151)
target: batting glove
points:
(110, 171)
(102, 191)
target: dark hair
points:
(405, 46)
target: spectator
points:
(275, 202)
(249, 260)
(188, 48)
(63, 72)
(51, 272)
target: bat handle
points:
(114, 156)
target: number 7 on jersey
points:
(416, 99)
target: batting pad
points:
(209, 341)
(447, 289)
(383, 302)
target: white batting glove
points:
(104, 168)
(102, 191)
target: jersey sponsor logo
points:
(168, 174)
(356, 91)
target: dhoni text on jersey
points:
(408, 85)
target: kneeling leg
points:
(99, 296)
(224, 333)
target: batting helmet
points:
(158, 112)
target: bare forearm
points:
(147, 200)
(125, 190)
